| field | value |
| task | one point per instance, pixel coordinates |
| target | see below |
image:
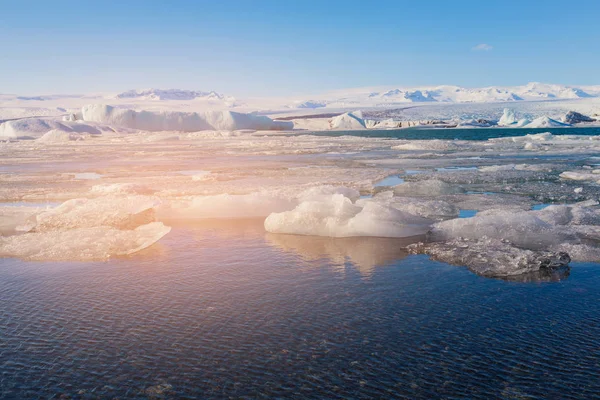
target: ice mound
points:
(120, 189)
(15, 219)
(30, 128)
(33, 128)
(527, 229)
(348, 121)
(57, 136)
(426, 188)
(179, 121)
(431, 209)
(92, 243)
(508, 118)
(337, 216)
(83, 229)
(117, 212)
(546, 122)
(250, 205)
(593, 176)
(492, 257)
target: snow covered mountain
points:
(381, 97)
(169, 94)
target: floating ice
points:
(581, 176)
(336, 216)
(15, 219)
(348, 121)
(117, 212)
(508, 118)
(120, 189)
(492, 257)
(92, 243)
(546, 122)
(432, 209)
(426, 188)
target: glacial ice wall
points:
(179, 121)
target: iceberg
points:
(546, 122)
(82, 244)
(348, 121)
(508, 118)
(337, 216)
(180, 121)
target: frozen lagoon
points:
(229, 309)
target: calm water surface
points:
(219, 310)
(457, 133)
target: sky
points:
(293, 47)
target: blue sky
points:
(288, 47)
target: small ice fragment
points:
(87, 176)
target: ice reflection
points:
(543, 275)
(364, 253)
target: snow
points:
(168, 94)
(32, 128)
(56, 136)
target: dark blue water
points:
(230, 311)
(458, 133)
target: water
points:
(224, 309)
(458, 133)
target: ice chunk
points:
(57, 136)
(581, 176)
(348, 121)
(117, 212)
(546, 122)
(492, 257)
(337, 216)
(528, 229)
(508, 118)
(120, 188)
(432, 209)
(29, 128)
(15, 219)
(90, 243)
(431, 187)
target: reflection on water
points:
(364, 253)
(543, 275)
(221, 310)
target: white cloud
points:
(482, 47)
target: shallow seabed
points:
(225, 309)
